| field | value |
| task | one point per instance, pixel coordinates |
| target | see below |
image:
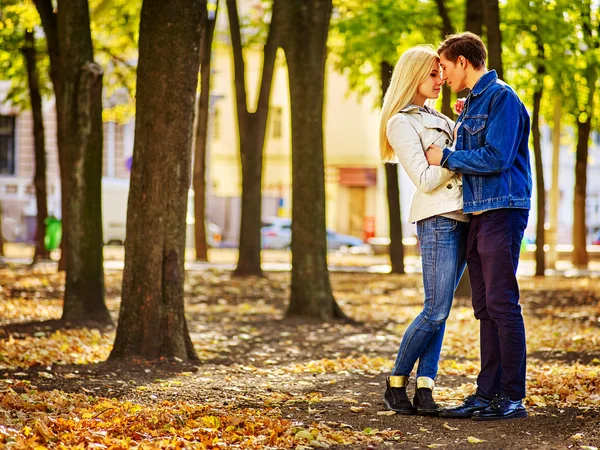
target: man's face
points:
(454, 74)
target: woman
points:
(408, 126)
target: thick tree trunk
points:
(555, 190)
(39, 179)
(202, 115)
(580, 255)
(49, 21)
(396, 248)
(304, 39)
(540, 256)
(151, 321)
(252, 128)
(81, 120)
(491, 14)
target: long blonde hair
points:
(413, 67)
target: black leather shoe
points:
(470, 405)
(502, 407)
(395, 398)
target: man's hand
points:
(459, 105)
(434, 155)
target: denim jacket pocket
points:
(475, 127)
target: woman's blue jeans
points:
(443, 247)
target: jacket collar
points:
(428, 120)
(484, 82)
(409, 109)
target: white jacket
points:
(410, 133)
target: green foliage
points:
(114, 25)
(364, 34)
(16, 18)
(568, 33)
(115, 28)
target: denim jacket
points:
(491, 148)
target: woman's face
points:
(431, 87)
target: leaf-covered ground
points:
(268, 383)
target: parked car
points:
(114, 215)
(276, 233)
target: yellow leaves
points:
(357, 409)
(474, 440)
(211, 422)
(448, 427)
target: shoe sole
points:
(428, 412)
(457, 415)
(398, 411)
(516, 415)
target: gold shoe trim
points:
(398, 381)
(425, 382)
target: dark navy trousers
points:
(493, 246)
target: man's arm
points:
(502, 135)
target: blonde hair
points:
(413, 67)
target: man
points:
(491, 151)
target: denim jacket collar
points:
(484, 82)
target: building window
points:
(276, 122)
(7, 145)
(216, 124)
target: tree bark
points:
(491, 14)
(81, 124)
(446, 30)
(474, 17)
(202, 115)
(252, 128)
(540, 255)
(304, 40)
(49, 21)
(396, 248)
(1, 238)
(554, 190)
(39, 179)
(151, 321)
(580, 257)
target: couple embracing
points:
(473, 181)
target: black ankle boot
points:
(395, 398)
(423, 399)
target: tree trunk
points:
(151, 321)
(555, 190)
(580, 255)
(491, 14)
(252, 128)
(304, 40)
(474, 24)
(396, 248)
(474, 17)
(202, 115)
(1, 237)
(446, 30)
(540, 256)
(49, 21)
(39, 179)
(81, 120)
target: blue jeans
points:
(443, 247)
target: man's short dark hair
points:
(466, 44)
